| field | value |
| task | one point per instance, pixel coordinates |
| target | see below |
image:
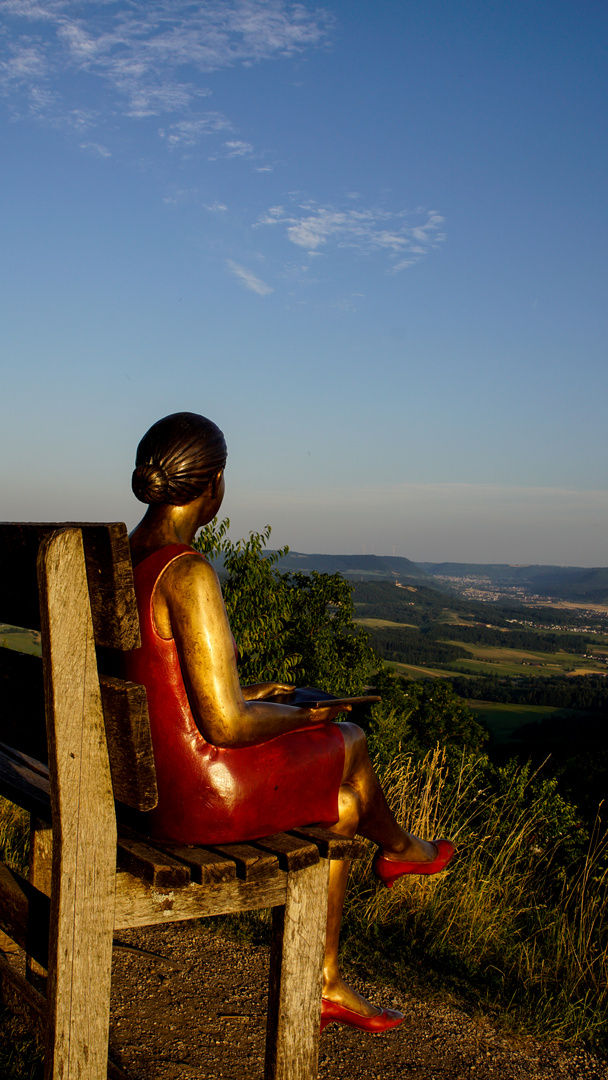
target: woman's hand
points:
(264, 690)
(326, 713)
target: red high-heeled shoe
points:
(388, 870)
(332, 1012)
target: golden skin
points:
(188, 606)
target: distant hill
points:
(374, 567)
(504, 573)
(567, 582)
(591, 585)
(575, 583)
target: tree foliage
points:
(407, 645)
(562, 691)
(416, 716)
(294, 628)
(478, 634)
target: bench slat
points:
(125, 711)
(252, 864)
(292, 852)
(21, 758)
(332, 846)
(151, 865)
(24, 914)
(206, 867)
(24, 786)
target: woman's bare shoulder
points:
(187, 591)
(189, 573)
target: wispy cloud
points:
(96, 148)
(189, 132)
(141, 52)
(24, 63)
(238, 148)
(177, 196)
(397, 234)
(249, 280)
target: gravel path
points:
(207, 1020)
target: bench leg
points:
(295, 979)
(80, 971)
(84, 824)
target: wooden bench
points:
(91, 871)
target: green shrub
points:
(295, 628)
(416, 715)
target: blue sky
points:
(367, 238)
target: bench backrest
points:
(116, 630)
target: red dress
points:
(213, 795)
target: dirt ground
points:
(207, 1020)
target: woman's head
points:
(177, 458)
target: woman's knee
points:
(349, 810)
(355, 748)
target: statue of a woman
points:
(231, 763)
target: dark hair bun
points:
(177, 458)
(149, 483)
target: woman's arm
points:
(188, 606)
(258, 690)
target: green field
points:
(411, 671)
(385, 622)
(600, 649)
(503, 720)
(20, 640)
(507, 666)
(488, 660)
(453, 618)
(492, 660)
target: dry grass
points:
(509, 917)
(14, 835)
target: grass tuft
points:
(20, 1056)
(14, 836)
(514, 921)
